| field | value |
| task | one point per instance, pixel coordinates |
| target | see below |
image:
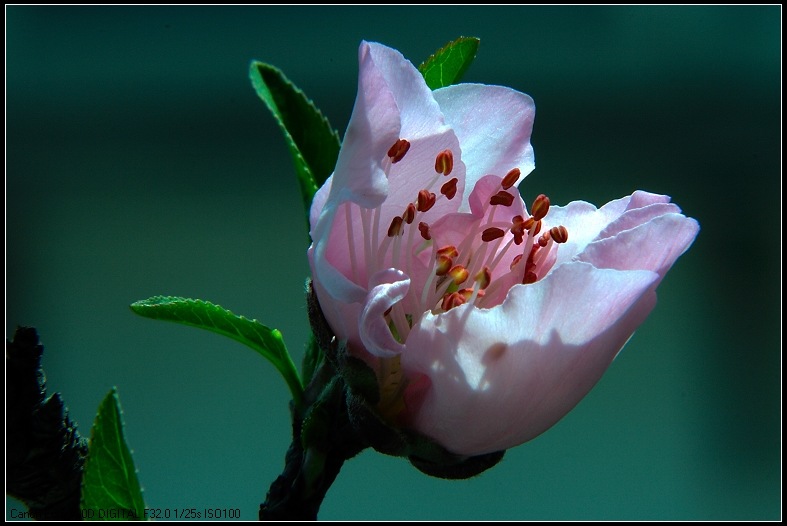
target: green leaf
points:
(449, 63)
(205, 315)
(110, 489)
(313, 143)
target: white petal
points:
(388, 287)
(493, 124)
(501, 376)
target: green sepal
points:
(448, 64)
(431, 458)
(313, 143)
(312, 359)
(320, 416)
(110, 489)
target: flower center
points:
(457, 259)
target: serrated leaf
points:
(313, 143)
(110, 489)
(449, 63)
(205, 315)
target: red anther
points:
(511, 178)
(492, 233)
(444, 162)
(443, 265)
(468, 293)
(540, 207)
(397, 151)
(386, 313)
(449, 188)
(544, 239)
(530, 277)
(448, 251)
(452, 300)
(518, 229)
(396, 227)
(425, 200)
(502, 198)
(532, 223)
(459, 274)
(409, 214)
(483, 278)
(424, 229)
(516, 260)
(559, 234)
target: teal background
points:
(140, 162)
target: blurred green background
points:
(140, 162)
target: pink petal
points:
(502, 376)
(634, 217)
(493, 124)
(586, 223)
(387, 288)
(318, 203)
(654, 245)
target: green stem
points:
(293, 379)
(322, 439)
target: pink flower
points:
(486, 324)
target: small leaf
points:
(449, 63)
(110, 489)
(313, 143)
(205, 315)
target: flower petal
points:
(502, 376)
(586, 223)
(374, 126)
(318, 203)
(654, 245)
(637, 216)
(493, 124)
(387, 288)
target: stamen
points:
(540, 207)
(492, 233)
(544, 239)
(532, 225)
(449, 251)
(396, 227)
(351, 241)
(449, 188)
(511, 178)
(397, 151)
(458, 274)
(483, 278)
(426, 200)
(424, 229)
(518, 229)
(559, 234)
(502, 198)
(515, 261)
(443, 265)
(444, 162)
(409, 214)
(452, 300)
(530, 277)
